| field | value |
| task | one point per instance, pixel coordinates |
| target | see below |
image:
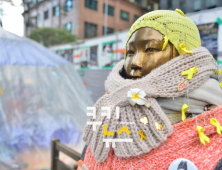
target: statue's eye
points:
(150, 50)
(130, 52)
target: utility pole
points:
(106, 18)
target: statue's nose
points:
(137, 61)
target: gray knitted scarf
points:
(161, 82)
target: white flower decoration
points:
(136, 96)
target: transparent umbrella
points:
(41, 97)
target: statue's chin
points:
(136, 78)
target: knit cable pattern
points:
(183, 143)
(161, 82)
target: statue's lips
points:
(136, 74)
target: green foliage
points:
(52, 36)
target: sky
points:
(12, 20)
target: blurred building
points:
(85, 18)
(190, 5)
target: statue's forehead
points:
(146, 33)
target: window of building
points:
(124, 15)
(170, 5)
(91, 4)
(38, 19)
(211, 3)
(135, 17)
(68, 26)
(183, 5)
(26, 6)
(55, 10)
(90, 30)
(31, 4)
(68, 5)
(46, 14)
(196, 5)
(110, 10)
(149, 6)
(31, 22)
(108, 30)
(139, 1)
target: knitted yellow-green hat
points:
(176, 27)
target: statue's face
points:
(144, 52)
